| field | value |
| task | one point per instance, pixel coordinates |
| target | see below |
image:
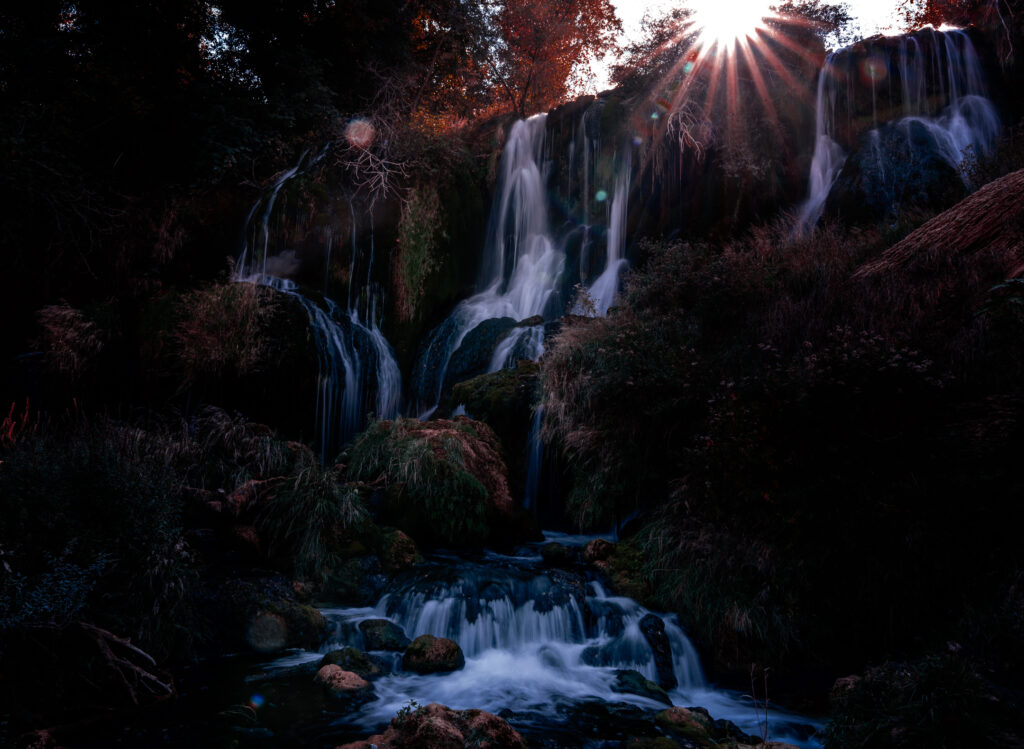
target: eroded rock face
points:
(433, 655)
(438, 727)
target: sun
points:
(724, 23)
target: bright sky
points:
(872, 16)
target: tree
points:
(547, 46)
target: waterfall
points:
(522, 267)
(828, 155)
(351, 349)
(942, 99)
(603, 291)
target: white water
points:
(351, 349)
(522, 263)
(526, 634)
(605, 288)
(943, 92)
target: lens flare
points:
(360, 133)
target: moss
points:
(419, 233)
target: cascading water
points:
(946, 114)
(522, 264)
(602, 292)
(351, 349)
(538, 643)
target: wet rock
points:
(687, 724)
(432, 655)
(633, 682)
(473, 355)
(398, 552)
(341, 683)
(354, 660)
(438, 727)
(597, 550)
(657, 742)
(381, 634)
(557, 555)
(653, 629)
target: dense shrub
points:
(308, 516)
(802, 459)
(91, 514)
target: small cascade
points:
(539, 643)
(604, 289)
(522, 267)
(938, 111)
(351, 348)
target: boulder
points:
(358, 581)
(598, 550)
(398, 551)
(354, 660)
(557, 555)
(473, 355)
(341, 683)
(438, 727)
(381, 634)
(433, 655)
(686, 723)
(628, 681)
(653, 629)
(263, 614)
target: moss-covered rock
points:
(625, 571)
(628, 681)
(598, 550)
(354, 660)
(446, 482)
(505, 401)
(433, 655)
(341, 683)
(558, 555)
(687, 724)
(398, 551)
(381, 634)
(356, 581)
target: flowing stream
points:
(543, 647)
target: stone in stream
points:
(628, 681)
(438, 727)
(433, 655)
(558, 555)
(653, 629)
(598, 550)
(343, 684)
(381, 634)
(354, 660)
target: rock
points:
(339, 682)
(653, 629)
(557, 555)
(398, 552)
(473, 355)
(438, 727)
(597, 550)
(842, 688)
(268, 632)
(357, 581)
(432, 655)
(659, 742)
(263, 614)
(633, 682)
(381, 634)
(686, 723)
(354, 660)
(531, 322)
(244, 540)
